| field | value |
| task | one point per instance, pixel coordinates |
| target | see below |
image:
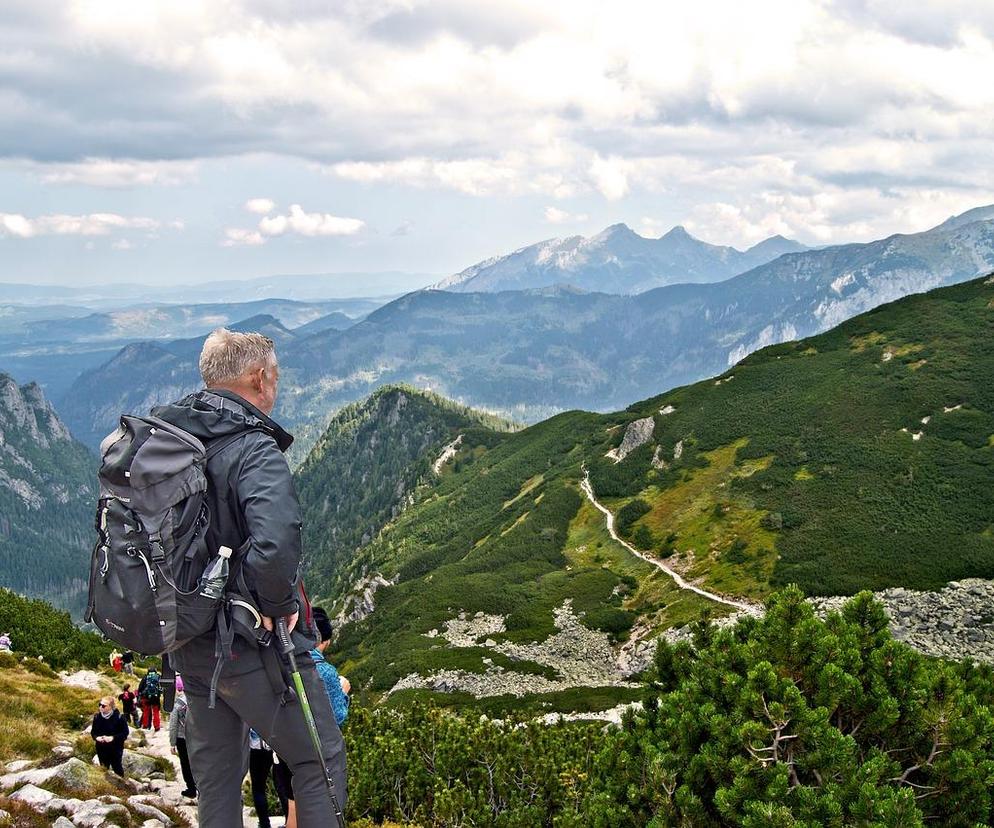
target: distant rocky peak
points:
(24, 409)
(678, 233)
(985, 213)
(615, 232)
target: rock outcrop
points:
(638, 433)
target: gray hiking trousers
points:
(217, 741)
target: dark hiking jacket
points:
(254, 511)
(114, 725)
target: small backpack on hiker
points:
(145, 590)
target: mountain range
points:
(528, 354)
(616, 260)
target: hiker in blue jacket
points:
(337, 687)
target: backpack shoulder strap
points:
(222, 443)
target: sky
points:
(179, 141)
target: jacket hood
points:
(213, 413)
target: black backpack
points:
(152, 520)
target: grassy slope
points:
(793, 468)
(853, 500)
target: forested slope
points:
(860, 458)
(366, 466)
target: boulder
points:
(19, 765)
(138, 764)
(34, 796)
(74, 774)
(94, 814)
(62, 822)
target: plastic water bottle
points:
(215, 577)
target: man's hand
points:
(346, 684)
(291, 622)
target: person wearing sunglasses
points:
(109, 730)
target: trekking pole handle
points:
(283, 636)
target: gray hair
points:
(228, 355)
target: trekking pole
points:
(286, 648)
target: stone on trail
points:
(74, 774)
(34, 796)
(138, 764)
(141, 806)
(62, 822)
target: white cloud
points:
(298, 222)
(118, 173)
(122, 244)
(237, 237)
(610, 176)
(740, 113)
(309, 224)
(93, 224)
(553, 215)
(262, 206)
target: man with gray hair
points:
(254, 511)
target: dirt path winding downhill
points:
(742, 606)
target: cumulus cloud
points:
(310, 224)
(92, 224)
(715, 101)
(237, 237)
(553, 215)
(262, 206)
(296, 221)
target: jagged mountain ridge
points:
(528, 354)
(47, 497)
(862, 458)
(616, 260)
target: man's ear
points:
(256, 377)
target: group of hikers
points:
(142, 707)
(255, 662)
(110, 729)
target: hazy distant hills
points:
(170, 321)
(367, 290)
(617, 260)
(861, 458)
(47, 497)
(142, 375)
(53, 345)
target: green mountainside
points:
(47, 496)
(857, 459)
(366, 466)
